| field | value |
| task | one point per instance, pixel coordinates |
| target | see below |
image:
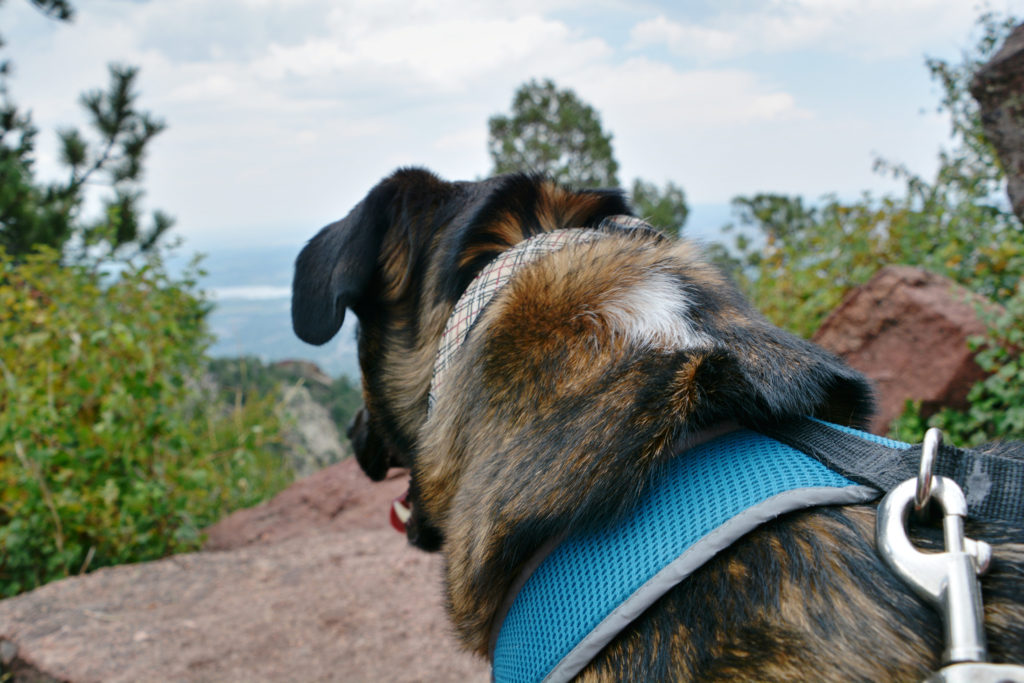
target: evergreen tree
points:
(553, 132)
(664, 208)
(35, 213)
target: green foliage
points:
(798, 261)
(238, 378)
(58, 9)
(36, 213)
(665, 209)
(802, 259)
(553, 132)
(110, 451)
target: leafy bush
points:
(109, 450)
(797, 261)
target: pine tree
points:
(553, 132)
(35, 213)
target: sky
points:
(282, 114)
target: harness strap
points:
(993, 483)
(599, 580)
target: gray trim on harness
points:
(692, 559)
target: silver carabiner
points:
(948, 580)
(929, 452)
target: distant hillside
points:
(263, 328)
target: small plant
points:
(110, 449)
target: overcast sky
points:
(283, 113)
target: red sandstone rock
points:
(907, 330)
(337, 498)
(315, 586)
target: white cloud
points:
(445, 53)
(283, 113)
(688, 39)
(868, 29)
(645, 93)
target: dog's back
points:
(581, 377)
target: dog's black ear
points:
(764, 374)
(334, 268)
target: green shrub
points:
(797, 261)
(110, 451)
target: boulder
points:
(312, 586)
(907, 330)
(998, 86)
(338, 498)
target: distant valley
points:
(250, 288)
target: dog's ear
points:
(763, 373)
(334, 268)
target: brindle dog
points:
(571, 389)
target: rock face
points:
(312, 586)
(311, 437)
(338, 498)
(907, 330)
(998, 87)
(307, 370)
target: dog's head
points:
(405, 254)
(399, 261)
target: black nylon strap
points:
(993, 483)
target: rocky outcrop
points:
(907, 330)
(306, 370)
(998, 87)
(339, 498)
(312, 586)
(311, 437)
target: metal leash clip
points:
(948, 580)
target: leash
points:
(913, 477)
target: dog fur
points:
(586, 372)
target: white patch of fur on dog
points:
(654, 313)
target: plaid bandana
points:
(498, 272)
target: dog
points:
(594, 365)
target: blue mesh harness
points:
(594, 584)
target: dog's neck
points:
(498, 273)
